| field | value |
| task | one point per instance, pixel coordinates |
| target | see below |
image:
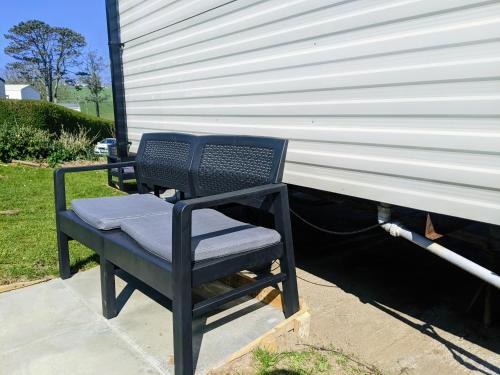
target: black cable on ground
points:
(315, 283)
(362, 230)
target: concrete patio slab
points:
(57, 328)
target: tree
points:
(91, 77)
(11, 75)
(44, 53)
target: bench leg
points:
(287, 261)
(121, 184)
(110, 178)
(63, 253)
(290, 290)
(108, 291)
(183, 331)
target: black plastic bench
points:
(176, 247)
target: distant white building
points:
(22, 91)
(2, 88)
(73, 106)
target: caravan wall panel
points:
(392, 101)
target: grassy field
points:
(27, 224)
(106, 109)
(70, 94)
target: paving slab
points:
(57, 328)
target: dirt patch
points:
(82, 163)
(40, 164)
(13, 212)
(23, 284)
(29, 163)
(294, 356)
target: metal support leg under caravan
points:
(396, 230)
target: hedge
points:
(52, 117)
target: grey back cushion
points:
(213, 235)
(108, 212)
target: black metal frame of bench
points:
(119, 173)
(176, 279)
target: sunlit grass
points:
(310, 361)
(27, 224)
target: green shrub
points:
(52, 118)
(23, 142)
(27, 143)
(58, 154)
(79, 144)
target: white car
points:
(102, 147)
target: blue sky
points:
(87, 17)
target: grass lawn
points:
(27, 225)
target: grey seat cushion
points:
(106, 213)
(125, 170)
(213, 235)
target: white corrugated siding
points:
(394, 101)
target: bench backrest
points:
(228, 163)
(164, 160)
(207, 165)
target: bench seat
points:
(126, 171)
(107, 212)
(148, 220)
(129, 255)
(213, 235)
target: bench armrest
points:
(118, 159)
(182, 217)
(59, 184)
(229, 197)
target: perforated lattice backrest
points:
(229, 163)
(164, 160)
